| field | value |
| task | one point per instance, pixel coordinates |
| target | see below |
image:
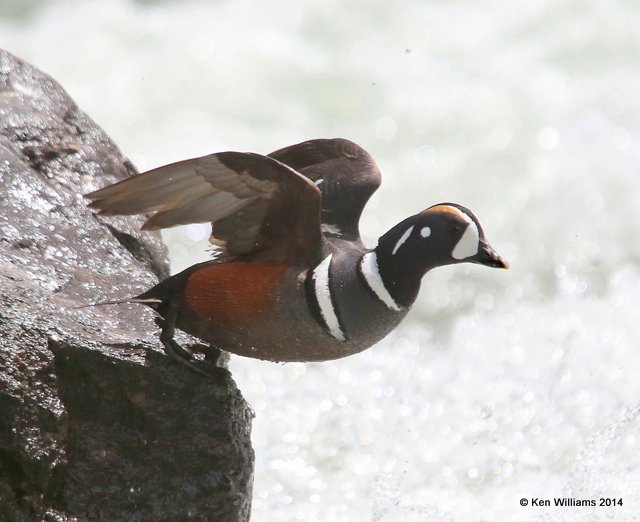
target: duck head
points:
(444, 234)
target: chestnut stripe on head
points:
(451, 210)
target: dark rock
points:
(96, 423)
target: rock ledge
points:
(95, 422)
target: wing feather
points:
(160, 199)
(259, 206)
(346, 174)
(207, 208)
(150, 180)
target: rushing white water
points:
(500, 385)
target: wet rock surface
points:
(96, 423)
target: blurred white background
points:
(499, 385)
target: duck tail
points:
(131, 300)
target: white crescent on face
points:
(469, 244)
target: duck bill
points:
(487, 256)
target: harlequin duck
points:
(293, 281)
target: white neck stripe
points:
(322, 290)
(369, 269)
(402, 239)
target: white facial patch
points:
(425, 232)
(402, 239)
(323, 295)
(469, 243)
(369, 269)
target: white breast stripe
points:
(323, 295)
(468, 244)
(402, 239)
(369, 268)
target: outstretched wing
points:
(259, 206)
(346, 174)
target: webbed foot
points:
(177, 353)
